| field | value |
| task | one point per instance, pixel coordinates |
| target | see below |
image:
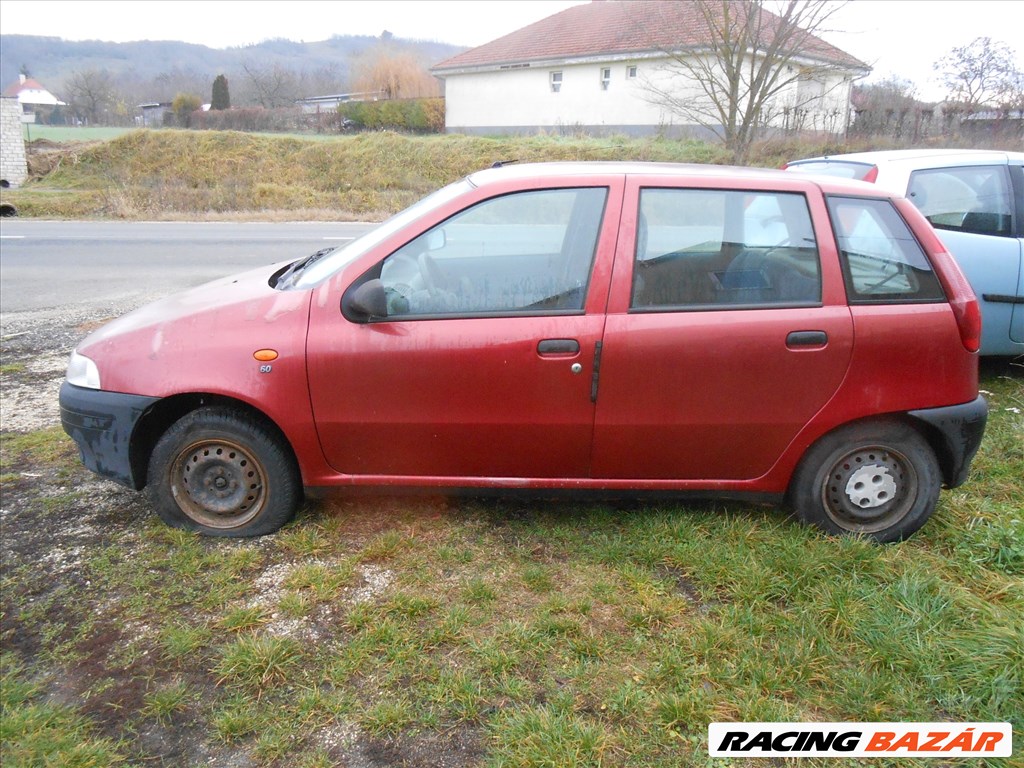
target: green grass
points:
(66, 133)
(36, 732)
(48, 446)
(539, 634)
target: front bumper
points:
(102, 424)
(960, 429)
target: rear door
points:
(727, 331)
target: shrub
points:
(409, 115)
(250, 119)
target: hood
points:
(200, 339)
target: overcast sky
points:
(901, 37)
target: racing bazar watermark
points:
(860, 740)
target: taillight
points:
(963, 302)
(871, 175)
(968, 319)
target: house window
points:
(631, 72)
(606, 78)
(556, 82)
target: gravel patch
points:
(30, 402)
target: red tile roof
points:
(17, 87)
(614, 27)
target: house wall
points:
(522, 101)
(13, 165)
(522, 98)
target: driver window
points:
(527, 252)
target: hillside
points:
(52, 60)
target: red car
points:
(593, 327)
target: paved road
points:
(46, 264)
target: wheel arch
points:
(899, 493)
(159, 417)
(930, 434)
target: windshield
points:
(329, 264)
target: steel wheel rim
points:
(869, 489)
(219, 483)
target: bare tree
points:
(750, 67)
(91, 93)
(322, 81)
(271, 87)
(979, 75)
(890, 108)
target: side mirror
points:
(365, 303)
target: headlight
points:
(82, 372)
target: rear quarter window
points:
(882, 261)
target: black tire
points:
(879, 480)
(221, 472)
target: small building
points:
(594, 67)
(317, 105)
(153, 114)
(36, 102)
(994, 123)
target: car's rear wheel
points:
(223, 473)
(880, 480)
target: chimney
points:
(22, 77)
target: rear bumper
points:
(959, 429)
(102, 423)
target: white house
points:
(595, 68)
(33, 98)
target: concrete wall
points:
(13, 167)
(522, 101)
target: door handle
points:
(807, 339)
(558, 347)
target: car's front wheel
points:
(223, 473)
(880, 480)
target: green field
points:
(66, 133)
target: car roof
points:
(922, 158)
(725, 173)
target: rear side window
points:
(724, 249)
(882, 261)
(969, 199)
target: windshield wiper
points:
(288, 276)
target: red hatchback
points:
(606, 327)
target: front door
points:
(482, 368)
